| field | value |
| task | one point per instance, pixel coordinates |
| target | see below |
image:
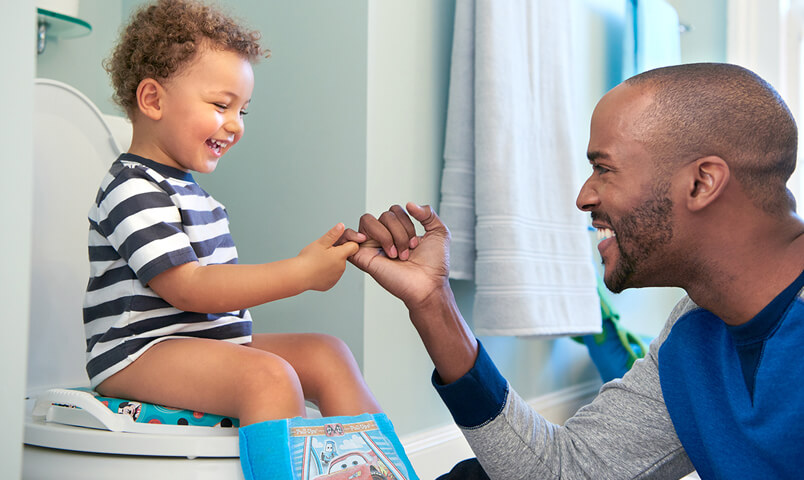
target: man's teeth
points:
(604, 233)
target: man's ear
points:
(149, 98)
(708, 179)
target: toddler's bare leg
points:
(327, 370)
(212, 376)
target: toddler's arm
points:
(227, 287)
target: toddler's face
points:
(204, 104)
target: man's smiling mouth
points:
(604, 233)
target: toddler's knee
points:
(270, 389)
(272, 375)
(331, 348)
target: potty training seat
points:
(83, 407)
(75, 418)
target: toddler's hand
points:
(323, 261)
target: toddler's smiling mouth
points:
(216, 146)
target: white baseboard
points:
(434, 452)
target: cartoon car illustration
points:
(357, 466)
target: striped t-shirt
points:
(146, 219)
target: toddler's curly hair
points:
(164, 36)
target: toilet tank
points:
(74, 145)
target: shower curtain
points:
(508, 186)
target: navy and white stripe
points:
(146, 219)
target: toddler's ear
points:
(149, 98)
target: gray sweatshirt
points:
(625, 433)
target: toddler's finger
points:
(333, 235)
(347, 249)
(350, 235)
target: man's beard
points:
(638, 235)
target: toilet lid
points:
(73, 148)
(66, 437)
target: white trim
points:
(434, 452)
(792, 88)
(750, 38)
(765, 36)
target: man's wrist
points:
(448, 340)
(439, 299)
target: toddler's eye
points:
(243, 113)
(220, 106)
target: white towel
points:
(457, 206)
(652, 36)
(508, 189)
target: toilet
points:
(74, 146)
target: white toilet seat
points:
(49, 463)
(40, 433)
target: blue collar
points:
(164, 170)
(762, 326)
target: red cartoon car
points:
(357, 466)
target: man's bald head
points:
(727, 111)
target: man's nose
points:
(587, 198)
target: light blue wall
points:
(347, 117)
(300, 168)
(706, 39)
(409, 47)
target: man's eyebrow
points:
(596, 154)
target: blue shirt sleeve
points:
(479, 396)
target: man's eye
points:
(599, 169)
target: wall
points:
(16, 192)
(705, 40)
(347, 117)
(300, 168)
(644, 310)
(77, 61)
(302, 165)
(409, 45)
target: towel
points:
(457, 207)
(654, 37)
(509, 186)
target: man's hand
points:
(416, 270)
(409, 267)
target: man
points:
(688, 186)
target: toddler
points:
(165, 310)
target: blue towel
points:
(363, 447)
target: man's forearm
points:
(450, 343)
